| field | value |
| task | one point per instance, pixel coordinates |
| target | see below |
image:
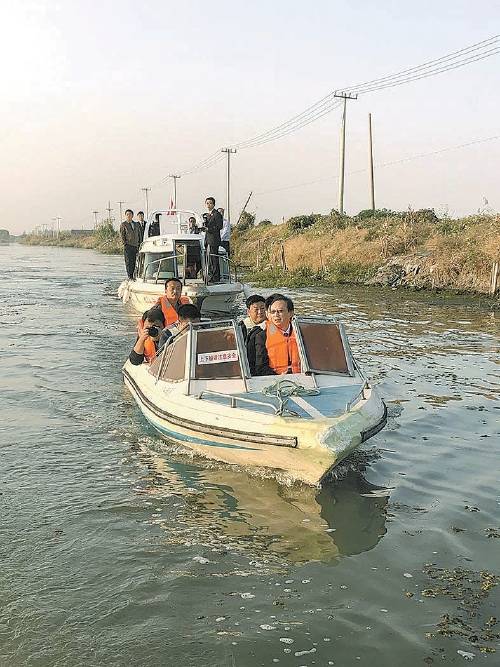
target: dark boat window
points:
(324, 347)
(175, 364)
(216, 354)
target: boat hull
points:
(297, 449)
(220, 298)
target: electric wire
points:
(460, 58)
(380, 165)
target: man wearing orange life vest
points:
(149, 328)
(171, 301)
(276, 351)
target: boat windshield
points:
(324, 346)
(156, 265)
(216, 354)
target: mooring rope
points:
(283, 390)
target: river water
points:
(117, 550)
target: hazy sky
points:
(101, 98)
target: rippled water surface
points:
(117, 550)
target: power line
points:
(460, 58)
(418, 156)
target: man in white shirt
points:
(225, 234)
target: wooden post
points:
(494, 278)
(283, 260)
(322, 266)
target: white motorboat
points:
(177, 253)
(198, 391)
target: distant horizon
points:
(94, 109)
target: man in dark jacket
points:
(131, 235)
(213, 226)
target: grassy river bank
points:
(412, 249)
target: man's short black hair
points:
(188, 311)
(140, 212)
(210, 199)
(175, 280)
(279, 297)
(129, 210)
(154, 314)
(254, 298)
(192, 218)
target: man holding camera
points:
(213, 226)
(149, 330)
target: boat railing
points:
(224, 258)
(359, 396)
(234, 399)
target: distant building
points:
(4, 236)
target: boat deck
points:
(331, 402)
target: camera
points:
(153, 331)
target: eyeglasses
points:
(278, 312)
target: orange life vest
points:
(169, 312)
(282, 350)
(149, 345)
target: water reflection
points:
(227, 510)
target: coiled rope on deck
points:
(283, 390)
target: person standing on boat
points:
(130, 232)
(171, 301)
(213, 226)
(149, 328)
(225, 234)
(142, 222)
(276, 350)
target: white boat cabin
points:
(210, 361)
(169, 250)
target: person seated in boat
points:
(256, 314)
(188, 312)
(192, 227)
(154, 227)
(172, 300)
(276, 350)
(149, 328)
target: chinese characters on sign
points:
(217, 357)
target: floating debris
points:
(287, 640)
(297, 654)
(469, 589)
(408, 575)
(265, 626)
(467, 655)
(492, 532)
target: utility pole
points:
(121, 211)
(109, 209)
(345, 97)
(57, 220)
(95, 218)
(228, 152)
(372, 182)
(175, 177)
(244, 207)
(146, 190)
